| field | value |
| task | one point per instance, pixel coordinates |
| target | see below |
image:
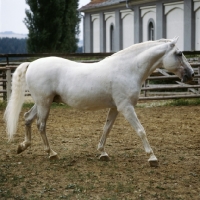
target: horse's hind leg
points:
(29, 118)
(42, 114)
(112, 115)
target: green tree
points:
(53, 26)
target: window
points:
(111, 38)
(151, 31)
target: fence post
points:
(145, 84)
(8, 83)
(7, 60)
(4, 85)
(199, 74)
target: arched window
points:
(151, 31)
(111, 38)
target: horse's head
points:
(175, 62)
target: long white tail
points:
(11, 115)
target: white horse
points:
(114, 83)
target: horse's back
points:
(52, 71)
(49, 64)
(76, 84)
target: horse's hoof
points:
(153, 163)
(54, 157)
(19, 149)
(104, 158)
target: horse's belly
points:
(85, 101)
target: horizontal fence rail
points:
(160, 85)
(8, 58)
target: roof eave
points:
(117, 5)
(102, 8)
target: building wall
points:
(96, 33)
(110, 21)
(148, 15)
(127, 17)
(87, 34)
(197, 25)
(174, 22)
(163, 19)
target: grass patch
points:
(175, 102)
(184, 102)
(53, 105)
(59, 105)
(146, 104)
(2, 105)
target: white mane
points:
(140, 47)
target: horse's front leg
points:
(29, 118)
(129, 113)
(112, 114)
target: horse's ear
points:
(174, 41)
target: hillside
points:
(11, 34)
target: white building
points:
(112, 25)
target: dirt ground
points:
(174, 135)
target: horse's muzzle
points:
(187, 78)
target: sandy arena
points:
(173, 133)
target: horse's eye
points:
(179, 53)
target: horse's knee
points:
(29, 117)
(141, 133)
(107, 128)
(26, 114)
(28, 122)
(41, 126)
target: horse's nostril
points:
(192, 74)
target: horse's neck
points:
(142, 59)
(148, 60)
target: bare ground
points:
(173, 133)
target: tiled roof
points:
(97, 1)
(100, 3)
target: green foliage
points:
(12, 45)
(179, 102)
(184, 102)
(2, 105)
(53, 26)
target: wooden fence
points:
(172, 88)
(159, 86)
